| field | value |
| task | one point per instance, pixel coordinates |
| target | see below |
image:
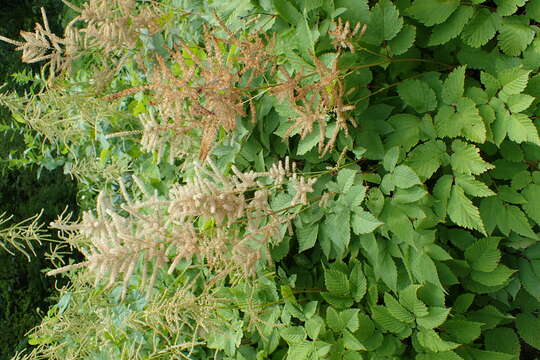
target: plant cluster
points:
(407, 227)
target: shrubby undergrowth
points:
(328, 179)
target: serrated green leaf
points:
(513, 80)
(454, 86)
(466, 159)
(502, 340)
(452, 27)
(489, 355)
(490, 82)
(391, 158)
(466, 121)
(363, 222)
(403, 41)
(409, 299)
(405, 177)
(397, 310)
(533, 9)
(463, 331)
(345, 179)
(529, 278)
(497, 277)
(515, 35)
(418, 95)
(483, 255)
(508, 7)
(518, 222)
(314, 326)
(350, 342)
(519, 102)
(333, 320)
(425, 158)
(357, 10)
(287, 11)
(509, 195)
(293, 334)
(436, 317)
(528, 327)
(385, 22)
(336, 282)
(431, 341)
(481, 28)
(432, 12)
(472, 186)
(521, 129)
(463, 212)
(358, 282)
(382, 317)
(532, 207)
(307, 236)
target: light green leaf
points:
(307, 236)
(508, 7)
(515, 35)
(418, 95)
(364, 222)
(532, 207)
(436, 317)
(431, 12)
(497, 277)
(314, 326)
(483, 255)
(334, 320)
(513, 80)
(358, 282)
(466, 159)
(452, 27)
(350, 342)
(397, 310)
(463, 331)
(463, 212)
(336, 282)
(403, 41)
(472, 186)
(425, 158)
(409, 299)
(385, 22)
(405, 177)
(533, 9)
(430, 340)
(518, 222)
(466, 121)
(287, 11)
(391, 158)
(521, 129)
(345, 179)
(519, 102)
(481, 28)
(382, 317)
(454, 86)
(293, 334)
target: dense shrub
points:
(327, 179)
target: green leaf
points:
(472, 186)
(345, 179)
(515, 35)
(431, 12)
(409, 299)
(463, 331)
(521, 129)
(532, 207)
(418, 95)
(483, 255)
(425, 158)
(454, 86)
(489, 355)
(308, 142)
(403, 41)
(391, 158)
(466, 121)
(533, 9)
(430, 340)
(513, 80)
(314, 326)
(307, 236)
(463, 212)
(508, 7)
(385, 22)
(336, 282)
(397, 310)
(350, 342)
(405, 177)
(466, 159)
(287, 11)
(364, 222)
(436, 317)
(518, 222)
(481, 28)
(452, 27)
(293, 334)
(497, 277)
(519, 102)
(358, 282)
(528, 327)
(529, 278)
(334, 320)
(383, 317)
(357, 10)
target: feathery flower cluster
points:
(158, 232)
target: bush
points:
(294, 180)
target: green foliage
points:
(407, 228)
